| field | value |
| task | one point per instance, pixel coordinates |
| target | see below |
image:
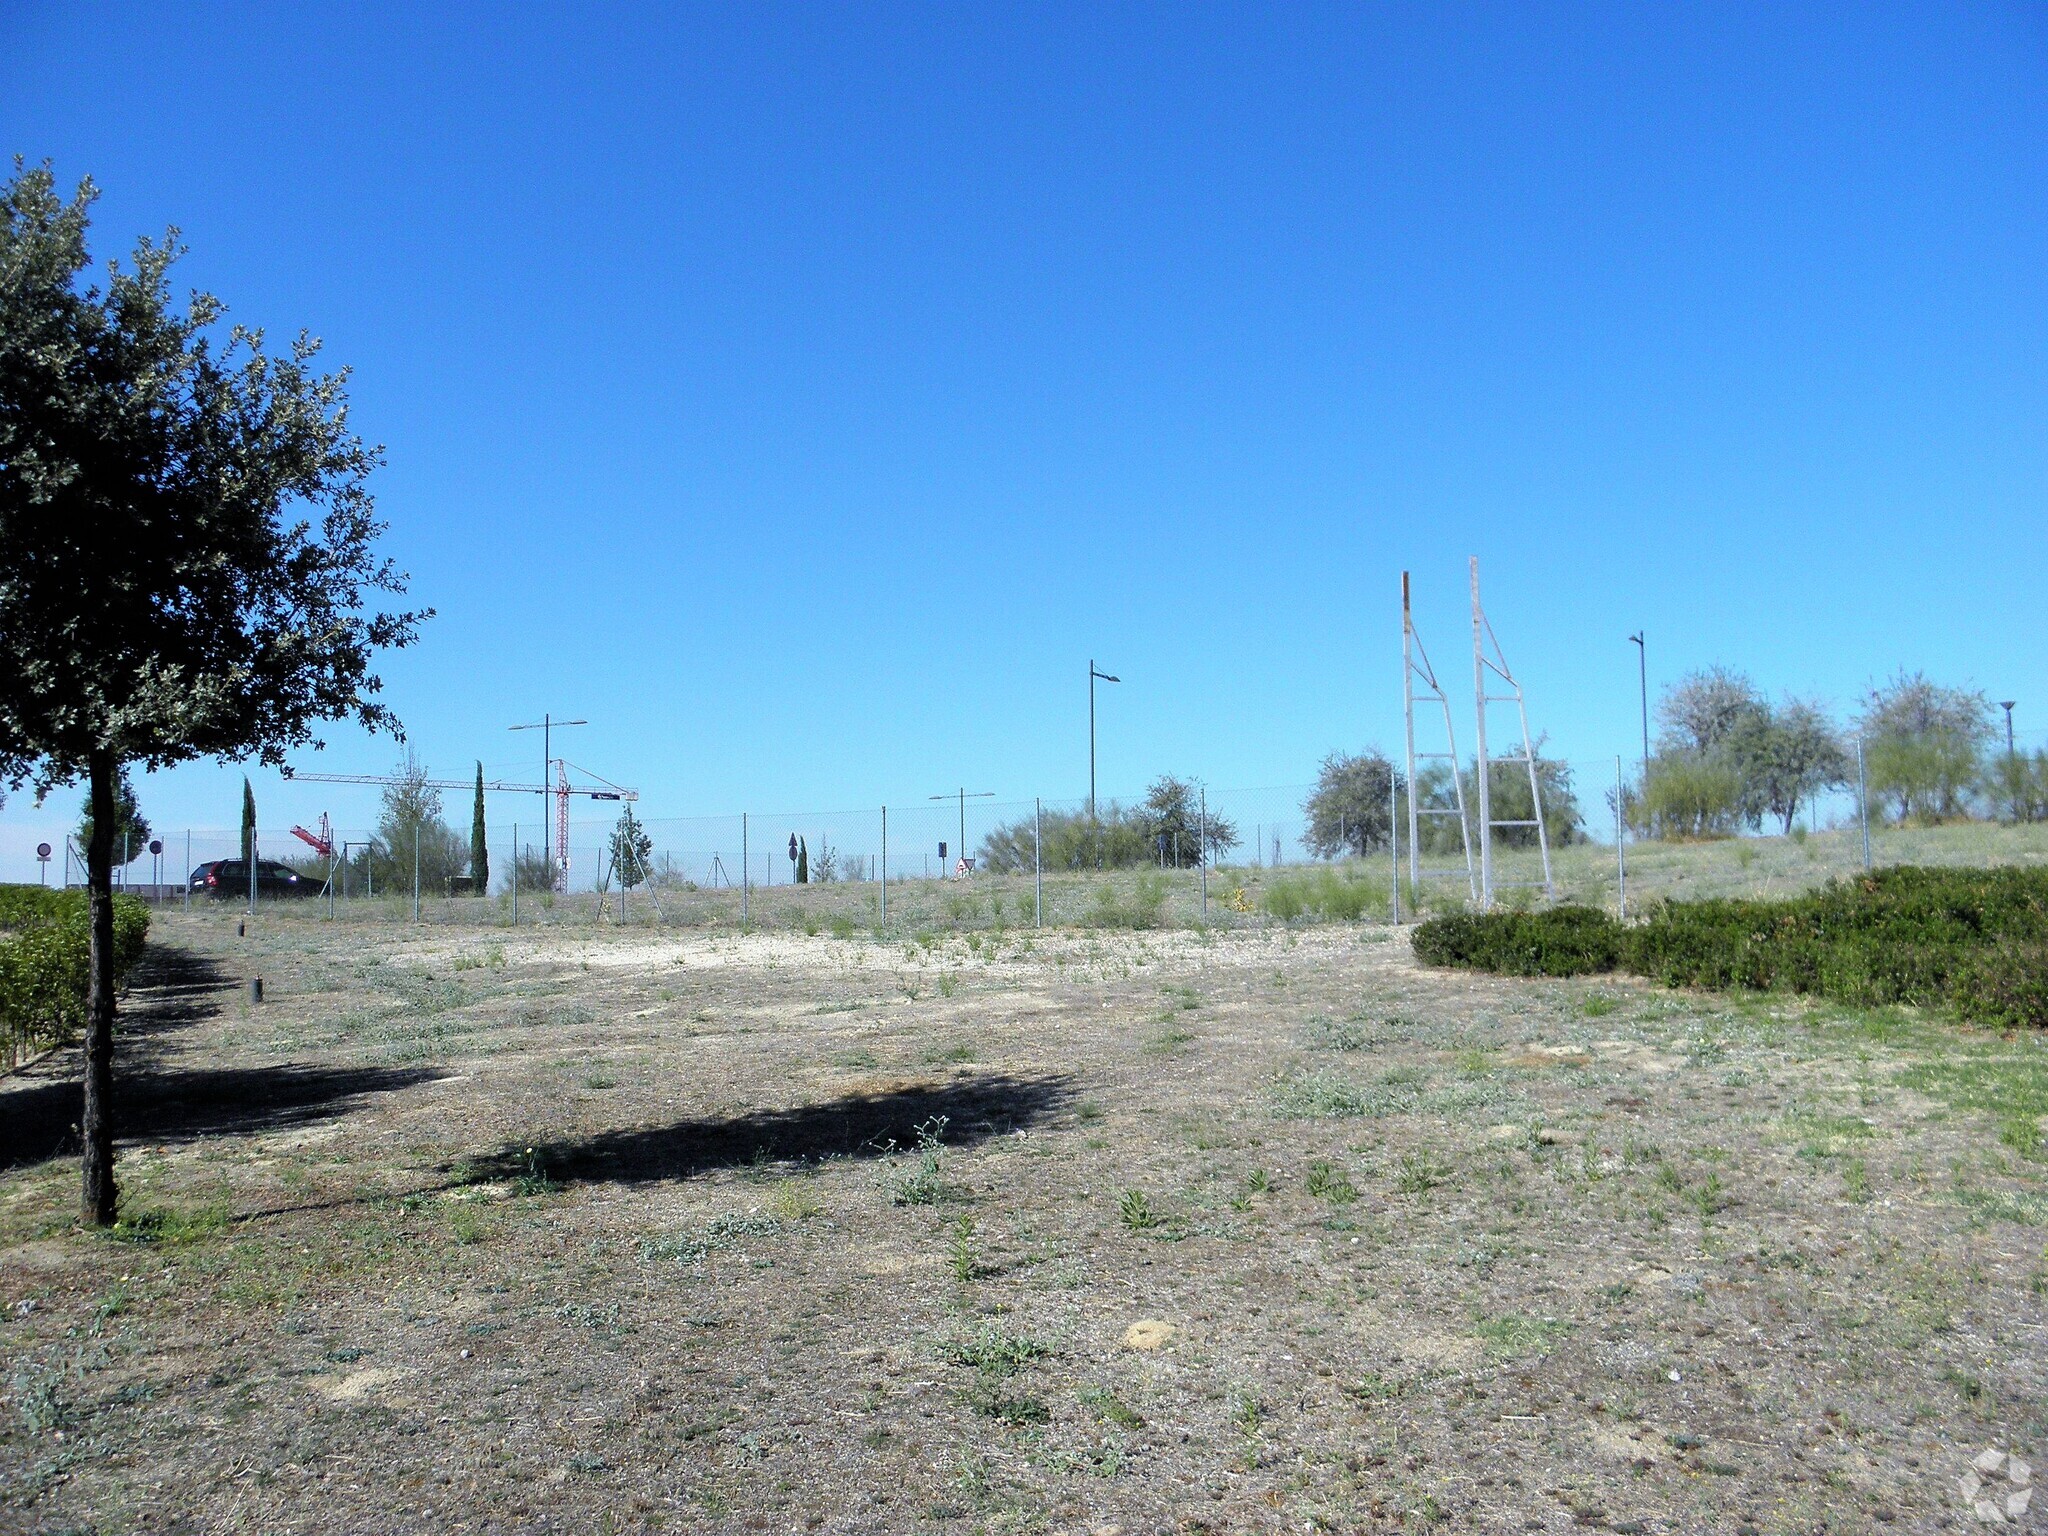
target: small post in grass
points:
(1202, 853)
(1037, 862)
(746, 873)
(415, 872)
(885, 867)
(515, 874)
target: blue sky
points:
(805, 394)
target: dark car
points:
(228, 879)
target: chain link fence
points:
(1210, 855)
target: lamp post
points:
(964, 797)
(546, 726)
(1092, 676)
(1643, 683)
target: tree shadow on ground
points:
(959, 1113)
(172, 990)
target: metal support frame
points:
(1415, 666)
(1483, 641)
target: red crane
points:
(321, 842)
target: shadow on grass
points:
(171, 990)
(960, 1113)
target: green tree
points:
(1114, 838)
(131, 830)
(2019, 782)
(1351, 812)
(248, 821)
(1507, 787)
(1176, 828)
(1924, 746)
(630, 848)
(1702, 710)
(1784, 756)
(189, 532)
(411, 833)
(803, 862)
(479, 840)
(1692, 795)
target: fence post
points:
(415, 872)
(1620, 841)
(1863, 800)
(252, 871)
(515, 874)
(885, 866)
(746, 873)
(1394, 840)
(1202, 853)
(187, 881)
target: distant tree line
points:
(1168, 828)
(1728, 758)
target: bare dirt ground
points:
(589, 1230)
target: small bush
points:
(1142, 906)
(1560, 941)
(1324, 894)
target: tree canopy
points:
(1351, 809)
(187, 517)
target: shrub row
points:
(1558, 941)
(1972, 940)
(45, 951)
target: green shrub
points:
(1973, 940)
(1142, 906)
(45, 947)
(1557, 941)
(1325, 894)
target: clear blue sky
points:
(804, 394)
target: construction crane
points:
(322, 841)
(561, 789)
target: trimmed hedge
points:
(45, 951)
(1558, 941)
(1974, 940)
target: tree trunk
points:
(97, 1125)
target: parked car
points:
(228, 880)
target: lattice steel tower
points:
(1483, 640)
(1415, 666)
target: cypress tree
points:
(248, 821)
(803, 862)
(479, 845)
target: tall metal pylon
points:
(1414, 665)
(1497, 663)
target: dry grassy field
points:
(581, 1228)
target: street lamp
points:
(546, 726)
(1092, 676)
(1643, 680)
(964, 797)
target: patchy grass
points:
(1140, 1226)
